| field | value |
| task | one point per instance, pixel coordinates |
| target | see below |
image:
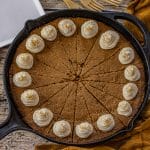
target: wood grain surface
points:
(21, 140)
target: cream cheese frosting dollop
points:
(109, 39)
(22, 79)
(42, 117)
(89, 29)
(124, 108)
(84, 130)
(132, 73)
(105, 122)
(126, 55)
(35, 43)
(130, 90)
(67, 27)
(30, 97)
(24, 61)
(62, 128)
(49, 33)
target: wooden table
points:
(20, 140)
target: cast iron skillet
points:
(14, 120)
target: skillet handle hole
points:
(134, 29)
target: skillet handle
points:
(140, 25)
(12, 123)
(135, 21)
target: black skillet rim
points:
(104, 17)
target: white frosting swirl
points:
(24, 60)
(132, 73)
(109, 39)
(22, 79)
(42, 117)
(30, 97)
(124, 108)
(105, 122)
(67, 27)
(84, 130)
(126, 55)
(62, 128)
(89, 29)
(130, 90)
(49, 33)
(35, 43)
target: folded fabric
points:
(139, 137)
(49, 147)
(59, 147)
(140, 9)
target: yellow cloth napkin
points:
(140, 9)
(139, 137)
(55, 147)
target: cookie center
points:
(77, 78)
